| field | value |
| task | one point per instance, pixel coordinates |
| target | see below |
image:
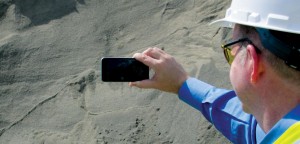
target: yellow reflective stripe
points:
(290, 136)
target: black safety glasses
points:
(228, 49)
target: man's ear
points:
(256, 65)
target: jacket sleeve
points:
(219, 106)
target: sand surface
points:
(50, 86)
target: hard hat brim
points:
(222, 23)
(225, 22)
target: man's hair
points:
(276, 63)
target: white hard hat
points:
(280, 15)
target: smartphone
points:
(123, 70)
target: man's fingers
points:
(142, 84)
(147, 60)
(150, 57)
(154, 52)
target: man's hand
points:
(169, 75)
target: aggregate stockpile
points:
(50, 86)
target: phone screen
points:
(123, 70)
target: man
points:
(264, 55)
